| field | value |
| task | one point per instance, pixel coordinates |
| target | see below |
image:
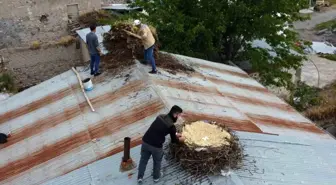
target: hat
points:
(137, 22)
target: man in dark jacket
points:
(153, 141)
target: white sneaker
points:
(140, 181)
(157, 180)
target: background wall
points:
(31, 67)
(24, 21)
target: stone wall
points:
(31, 67)
(24, 21)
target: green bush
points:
(225, 31)
(304, 96)
(7, 83)
(326, 25)
(329, 56)
(307, 42)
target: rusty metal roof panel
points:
(106, 172)
(81, 176)
(287, 160)
(237, 91)
(54, 132)
(270, 160)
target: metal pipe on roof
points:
(127, 148)
(318, 72)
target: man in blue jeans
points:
(148, 41)
(153, 142)
(94, 50)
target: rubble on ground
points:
(209, 148)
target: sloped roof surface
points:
(276, 160)
(54, 132)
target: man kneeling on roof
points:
(153, 141)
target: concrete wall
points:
(31, 67)
(85, 52)
(21, 23)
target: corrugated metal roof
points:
(54, 132)
(275, 160)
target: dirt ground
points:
(325, 68)
(306, 28)
(31, 67)
(316, 18)
(322, 72)
(320, 75)
(323, 114)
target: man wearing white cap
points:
(148, 41)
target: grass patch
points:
(307, 42)
(319, 105)
(327, 107)
(321, 112)
(7, 83)
(329, 56)
(304, 96)
(35, 45)
(66, 41)
(326, 25)
(305, 16)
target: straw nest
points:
(209, 148)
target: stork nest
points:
(207, 160)
(123, 49)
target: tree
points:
(227, 28)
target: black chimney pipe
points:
(127, 148)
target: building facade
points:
(23, 21)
